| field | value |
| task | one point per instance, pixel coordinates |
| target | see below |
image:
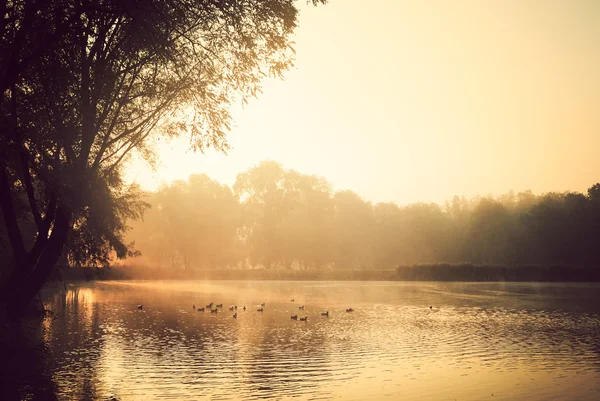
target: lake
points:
(478, 341)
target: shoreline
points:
(429, 272)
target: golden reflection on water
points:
(517, 342)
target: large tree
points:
(265, 204)
(85, 83)
(287, 216)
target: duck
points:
(430, 306)
(214, 310)
(235, 315)
(325, 313)
(209, 305)
(292, 299)
(235, 306)
(304, 319)
(301, 307)
(244, 308)
(349, 310)
(260, 310)
(140, 306)
(200, 309)
(219, 305)
(231, 308)
(194, 306)
(263, 304)
(295, 317)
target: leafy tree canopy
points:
(85, 83)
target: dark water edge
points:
(24, 357)
(421, 272)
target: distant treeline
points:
(433, 272)
(471, 272)
(281, 219)
(141, 273)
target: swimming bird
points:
(140, 306)
(430, 307)
(304, 319)
(292, 299)
(263, 304)
(301, 307)
(235, 315)
(244, 308)
(231, 308)
(219, 305)
(349, 310)
(200, 309)
(325, 313)
(235, 306)
(214, 310)
(194, 307)
(295, 317)
(260, 310)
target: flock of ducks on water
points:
(219, 307)
(261, 309)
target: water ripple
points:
(473, 341)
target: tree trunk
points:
(29, 285)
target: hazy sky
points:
(410, 101)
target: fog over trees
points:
(276, 218)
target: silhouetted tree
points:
(561, 225)
(85, 83)
(489, 232)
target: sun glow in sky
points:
(409, 101)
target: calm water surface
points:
(478, 342)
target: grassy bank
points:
(421, 272)
(126, 273)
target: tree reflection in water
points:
(98, 345)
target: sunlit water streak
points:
(515, 341)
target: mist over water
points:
(515, 341)
(357, 183)
(278, 218)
